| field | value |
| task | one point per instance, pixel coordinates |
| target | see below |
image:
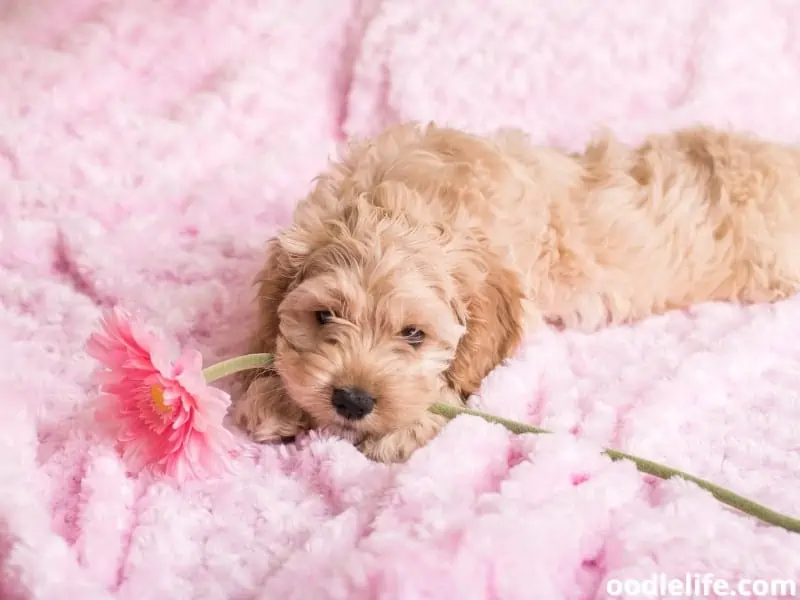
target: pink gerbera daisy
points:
(165, 414)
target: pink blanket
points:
(148, 149)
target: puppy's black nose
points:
(352, 403)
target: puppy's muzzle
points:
(352, 403)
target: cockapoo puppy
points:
(418, 262)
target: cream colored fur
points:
(475, 241)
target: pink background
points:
(147, 151)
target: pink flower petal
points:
(138, 380)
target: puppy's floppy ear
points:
(273, 281)
(492, 300)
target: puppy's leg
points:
(399, 445)
(267, 414)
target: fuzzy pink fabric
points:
(148, 149)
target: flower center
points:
(157, 394)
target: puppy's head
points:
(372, 305)
(366, 322)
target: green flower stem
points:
(645, 466)
(759, 511)
(235, 365)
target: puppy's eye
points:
(324, 316)
(413, 336)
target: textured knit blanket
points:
(147, 151)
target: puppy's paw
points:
(267, 414)
(399, 445)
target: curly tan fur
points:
(474, 241)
